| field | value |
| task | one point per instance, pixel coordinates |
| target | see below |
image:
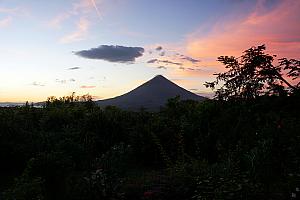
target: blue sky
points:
(39, 41)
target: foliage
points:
(253, 74)
(201, 150)
(26, 187)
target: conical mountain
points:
(151, 95)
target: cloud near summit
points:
(111, 53)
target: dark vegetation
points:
(243, 146)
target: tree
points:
(85, 99)
(253, 74)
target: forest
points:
(244, 144)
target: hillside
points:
(151, 95)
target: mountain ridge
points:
(151, 95)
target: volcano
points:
(151, 95)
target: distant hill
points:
(151, 95)
(11, 104)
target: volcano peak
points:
(151, 95)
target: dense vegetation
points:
(208, 150)
(232, 148)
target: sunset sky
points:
(108, 47)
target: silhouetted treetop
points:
(254, 74)
(68, 100)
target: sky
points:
(108, 47)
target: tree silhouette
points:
(253, 74)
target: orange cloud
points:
(278, 28)
(87, 86)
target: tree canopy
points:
(256, 73)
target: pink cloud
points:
(57, 21)
(14, 11)
(94, 3)
(79, 34)
(278, 28)
(5, 22)
(8, 10)
(10, 14)
(83, 6)
(82, 9)
(166, 57)
(79, 8)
